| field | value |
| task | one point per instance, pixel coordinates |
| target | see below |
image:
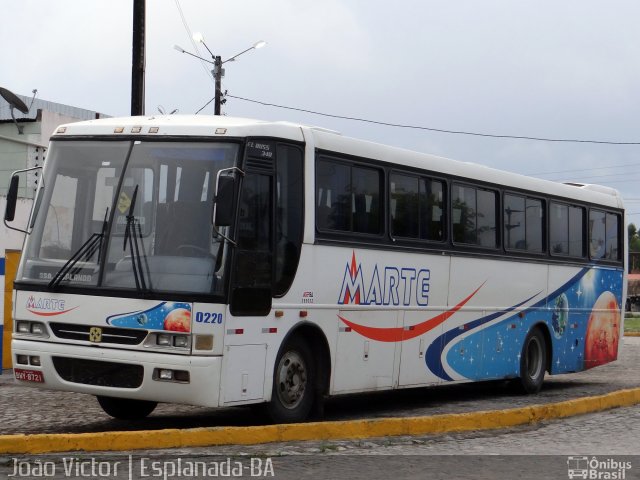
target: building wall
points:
(10, 241)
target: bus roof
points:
(324, 139)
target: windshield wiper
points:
(132, 237)
(86, 251)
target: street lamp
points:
(218, 71)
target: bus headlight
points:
(37, 328)
(177, 341)
(24, 327)
(181, 341)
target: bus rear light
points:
(270, 330)
(204, 342)
(235, 331)
(303, 314)
(279, 313)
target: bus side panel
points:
(430, 321)
(484, 339)
(584, 316)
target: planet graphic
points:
(603, 331)
(178, 320)
(142, 319)
(560, 315)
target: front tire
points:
(126, 408)
(533, 362)
(294, 378)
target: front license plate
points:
(28, 375)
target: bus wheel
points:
(533, 362)
(292, 396)
(126, 408)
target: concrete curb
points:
(353, 429)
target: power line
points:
(431, 129)
(193, 42)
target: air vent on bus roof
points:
(595, 188)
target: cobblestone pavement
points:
(540, 451)
(27, 410)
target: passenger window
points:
(566, 227)
(474, 216)
(416, 207)
(348, 198)
(523, 222)
(603, 235)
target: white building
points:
(20, 151)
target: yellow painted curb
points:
(632, 334)
(352, 429)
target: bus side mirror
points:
(12, 199)
(223, 213)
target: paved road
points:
(539, 451)
(27, 410)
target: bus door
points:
(250, 294)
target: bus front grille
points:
(120, 336)
(103, 374)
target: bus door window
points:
(289, 216)
(254, 231)
(252, 285)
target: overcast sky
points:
(549, 68)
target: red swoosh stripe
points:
(399, 334)
(50, 314)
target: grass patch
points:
(631, 324)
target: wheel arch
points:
(544, 328)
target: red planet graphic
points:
(178, 320)
(603, 331)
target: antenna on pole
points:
(14, 102)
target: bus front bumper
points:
(95, 370)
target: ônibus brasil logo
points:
(47, 307)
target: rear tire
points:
(294, 380)
(126, 408)
(533, 362)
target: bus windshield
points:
(129, 215)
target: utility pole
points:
(137, 58)
(217, 74)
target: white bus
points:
(217, 261)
